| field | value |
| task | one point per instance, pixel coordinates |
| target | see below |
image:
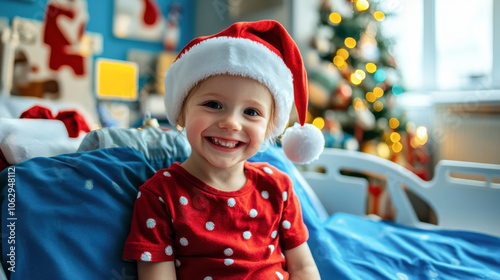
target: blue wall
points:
(101, 21)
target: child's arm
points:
(156, 270)
(300, 263)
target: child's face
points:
(225, 119)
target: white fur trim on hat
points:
(233, 56)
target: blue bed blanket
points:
(352, 247)
(345, 246)
(73, 215)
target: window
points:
(446, 44)
(464, 44)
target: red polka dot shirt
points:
(213, 234)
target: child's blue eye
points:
(212, 104)
(252, 112)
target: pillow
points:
(22, 139)
(13, 106)
(161, 148)
(72, 214)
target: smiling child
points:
(216, 215)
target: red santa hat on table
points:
(263, 51)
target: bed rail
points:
(464, 195)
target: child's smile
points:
(224, 143)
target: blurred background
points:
(414, 81)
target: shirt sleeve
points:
(151, 230)
(293, 231)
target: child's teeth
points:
(223, 144)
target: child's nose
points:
(230, 121)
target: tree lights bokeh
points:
(357, 79)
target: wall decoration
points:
(239, 8)
(63, 30)
(165, 59)
(116, 79)
(172, 30)
(138, 19)
(53, 59)
(146, 62)
(4, 22)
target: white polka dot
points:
(285, 196)
(138, 194)
(455, 262)
(177, 263)
(424, 237)
(166, 174)
(433, 273)
(89, 185)
(161, 199)
(228, 262)
(286, 224)
(151, 223)
(247, 235)
(272, 248)
(183, 200)
(183, 241)
(253, 213)
(210, 226)
(274, 234)
(268, 170)
(280, 276)
(208, 278)
(282, 255)
(402, 276)
(169, 251)
(231, 202)
(265, 194)
(228, 252)
(146, 256)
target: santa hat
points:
(263, 51)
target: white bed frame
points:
(463, 204)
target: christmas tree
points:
(354, 80)
(353, 84)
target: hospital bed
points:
(66, 216)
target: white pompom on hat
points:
(263, 51)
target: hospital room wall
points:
(101, 22)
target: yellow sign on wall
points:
(116, 79)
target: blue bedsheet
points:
(73, 214)
(357, 248)
(350, 247)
